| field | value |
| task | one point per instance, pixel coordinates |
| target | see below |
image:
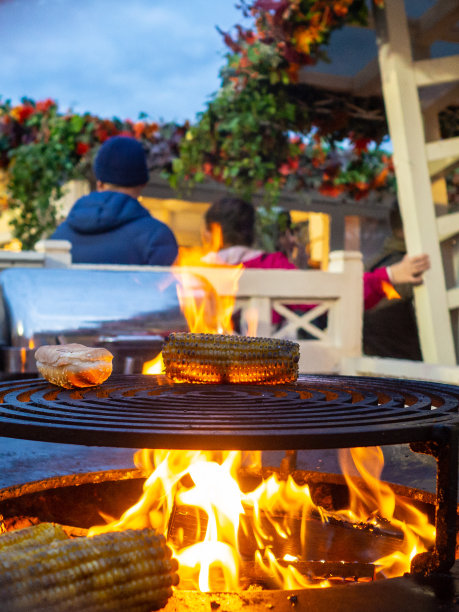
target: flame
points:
(389, 291)
(212, 526)
(155, 366)
(206, 310)
(379, 504)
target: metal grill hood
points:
(91, 306)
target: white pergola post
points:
(411, 160)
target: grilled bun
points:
(74, 365)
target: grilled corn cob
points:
(129, 570)
(215, 358)
(31, 537)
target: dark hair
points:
(236, 218)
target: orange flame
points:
(379, 503)
(229, 525)
(202, 487)
(207, 308)
(389, 291)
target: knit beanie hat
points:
(121, 161)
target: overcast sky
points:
(115, 57)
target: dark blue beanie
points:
(121, 161)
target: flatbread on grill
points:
(74, 365)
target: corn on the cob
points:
(31, 537)
(216, 358)
(129, 570)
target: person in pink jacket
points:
(232, 220)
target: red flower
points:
(44, 105)
(208, 168)
(22, 113)
(285, 169)
(328, 189)
(82, 148)
(361, 145)
(101, 134)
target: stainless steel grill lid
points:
(47, 302)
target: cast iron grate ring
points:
(150, 412)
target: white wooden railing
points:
(336, 294)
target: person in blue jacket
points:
(110, 225)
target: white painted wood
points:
(441, 149)
(448, 226)
(28, 259)
(435, 71)
(337, 292)
(57, 253)
(453, 298)
(413, 180)
(346, 323)
(399, 368)
(442, 166)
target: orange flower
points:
(208, 168)
(292, 72)
(381, 178)
(139, 128)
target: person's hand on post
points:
(409, 270)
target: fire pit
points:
(317, 412)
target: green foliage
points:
(33, 188)
(263, 131)
(42, 149)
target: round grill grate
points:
(149, 412)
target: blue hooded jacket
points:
(114, 228)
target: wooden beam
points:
(448, 226)
(436, 71)
(438, 20)
(414, 187)
(435, 99)
(443, 149)
(331, 82)
(453, 298)
(441, 167)
(367, 82)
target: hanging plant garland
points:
(41, 149)
(249, 136)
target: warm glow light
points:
(379, 503)
(155, 366)
(212, 526)
(206, 310)
(389, 291)
(194, 498)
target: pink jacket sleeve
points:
(373, 290)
